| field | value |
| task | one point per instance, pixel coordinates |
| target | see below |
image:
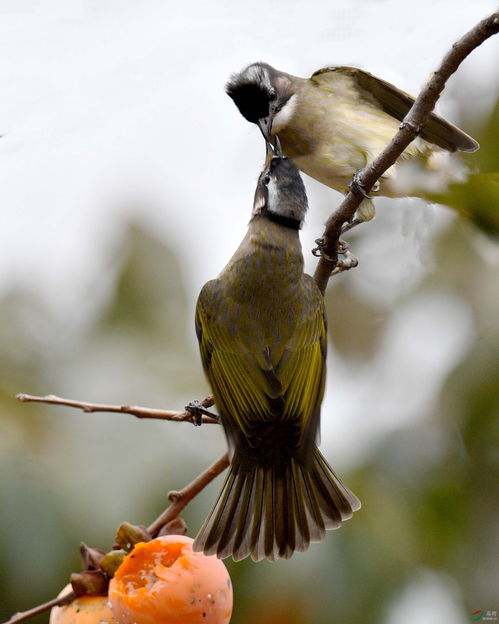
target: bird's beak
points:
(273, 150)
(269, 153)
(273, 145)
(277, 148)
(265, 125)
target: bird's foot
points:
(358, 188)
(349, 261)
(318, 251)
(196, 410)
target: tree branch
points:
(138, 412)
(409, 129)
(56, 602)
(183, 497)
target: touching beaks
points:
(272, 144)
(273, 150)
(269, 153)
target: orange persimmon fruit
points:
(164, 582)
(83, 610)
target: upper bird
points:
(262, 334)
(338, 120)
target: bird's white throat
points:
(284, 116)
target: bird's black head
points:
(253, 90)
(280, 193)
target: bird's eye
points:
(266, 179)
(272, 95)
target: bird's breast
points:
(335, 131)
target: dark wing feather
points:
(397, 103)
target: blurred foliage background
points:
(421, 547)
(409, 421)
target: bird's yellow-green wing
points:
(302, 367)
(397, 103)
(255, 381)
(241, 383)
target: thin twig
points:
(409, 129)
(56, 602)
(183, 497)
(134, 410)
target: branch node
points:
(414, 128)
(174, 496)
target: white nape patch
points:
(257, 74)
(259, 204)
(284, 116)
(274, 205)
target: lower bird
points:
(338, 120)
(262, 334)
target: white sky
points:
(106, 102)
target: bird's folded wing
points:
(251, 385)
(397, 103)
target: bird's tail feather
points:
(272, 511)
